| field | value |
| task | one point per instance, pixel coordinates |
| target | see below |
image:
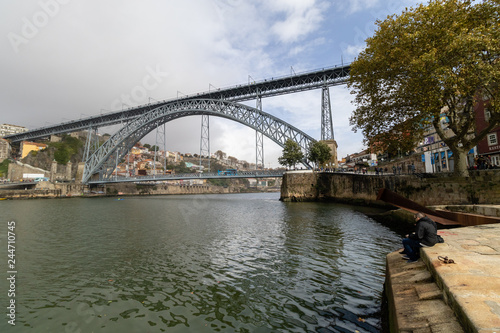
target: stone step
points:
(428, 291)
(471, 285)
(415, 302)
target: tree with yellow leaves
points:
(435, 60)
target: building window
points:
(492, 139)
(487, 115)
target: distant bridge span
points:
(103, 161)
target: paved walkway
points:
(471, 286)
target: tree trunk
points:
(460, 160)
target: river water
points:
(201, 263)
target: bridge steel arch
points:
(103, 161)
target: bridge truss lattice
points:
(104, 160)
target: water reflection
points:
(228, 263)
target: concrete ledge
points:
(299, 171)
(485, 210)
(471, 286)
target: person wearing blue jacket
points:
(425, 235)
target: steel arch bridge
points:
(321, 78)
(103, 161)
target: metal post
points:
(128, 165)
(155, 159)
(116, 165)
(160, 139)
(259, 140)
(326, 115)
(205, 140)
(164, 148)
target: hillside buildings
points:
(435, 156)
(439, 158)
(7, 129)
(488, 148)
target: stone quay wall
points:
(71, 189)
(164, 189)
(481, 187)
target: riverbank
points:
(48, 190)
(434, 296)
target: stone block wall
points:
(482, 187)
(57, 171)
(17, 169)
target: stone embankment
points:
(432, 295)
(63, 190)
(482, 187)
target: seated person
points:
(425, 234)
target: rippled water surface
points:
(207, 263)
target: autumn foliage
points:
(442, 57)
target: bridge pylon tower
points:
(327, 126)
(259, 140)
(326, 115)
(161, 139)
(91, 146)
(92, 142)
(205, 141)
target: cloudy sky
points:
(66, 59)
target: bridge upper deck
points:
(265, 88)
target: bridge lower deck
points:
(189, 176)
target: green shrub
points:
(4, 168)
(66, 148)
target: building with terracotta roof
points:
(27, 147)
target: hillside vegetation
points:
(69, 149)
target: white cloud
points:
(352, 51)
(301, 17)
(359, 5)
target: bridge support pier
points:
(161, 139)
(326, 115)
(259, 141)
(91, 145)
(205, 141)
(327, 126)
